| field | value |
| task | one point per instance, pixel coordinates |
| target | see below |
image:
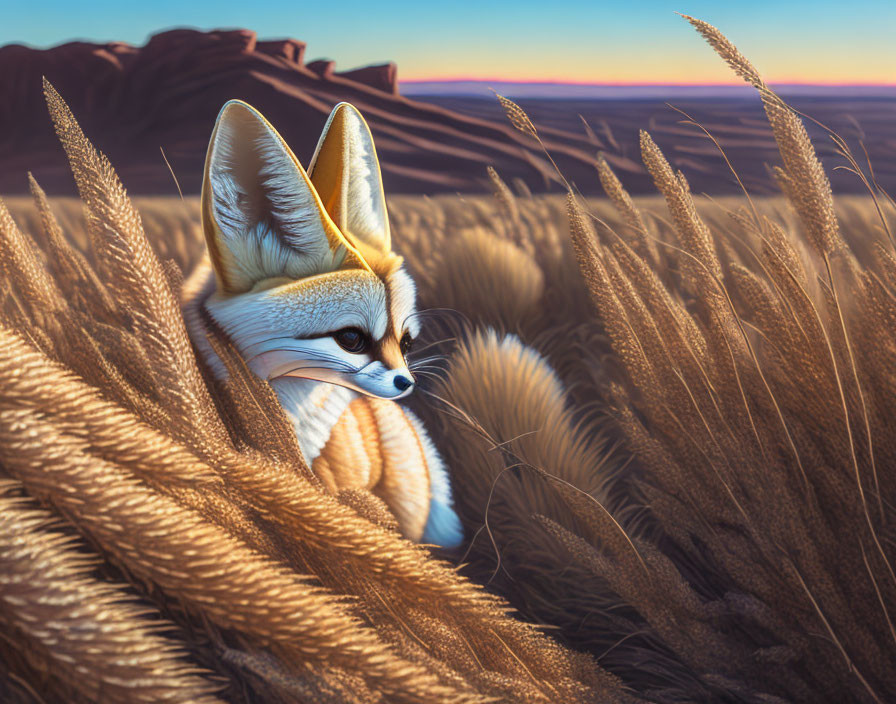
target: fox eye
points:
(406, 343)
(352, 340)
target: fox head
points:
(307, 283)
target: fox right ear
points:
(261, 215)
(346, 173)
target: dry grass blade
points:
(20, 263)
(63, 259)
(694, 234)
(770, 402)
(73, 623)
(517, 116)
(724, 48)
(133, 272)
(233, 586)
(810, 190)
(623, 201)
(504, 196)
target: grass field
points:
(668, 422)
(528, 366)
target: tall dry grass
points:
(510, 549)
(549, 407)
(744, 355)
(179, 528)
(753, 381)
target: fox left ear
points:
(261, 215)
(345, 172)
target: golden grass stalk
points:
(517, 116)
(23, 268)
(133, 272)
(811, 190)
(63, 259)
(775, 428)
(623, 201)
(724, 48)
(209, 572)
(694, 234)
(70, 623)
(504, 196)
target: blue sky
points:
(640, 41)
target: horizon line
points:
(646, 84)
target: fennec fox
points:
(303, 280)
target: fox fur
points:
(303, 279)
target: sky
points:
(620, 42)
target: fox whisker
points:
(443, 340)
(434, 311)
(335, 363)
(247, 350)
(422, 367)
(317, 354)
(430, 375)
(432, 371)
(426, 360)
(432, 356)
(302, 367)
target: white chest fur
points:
(313, 407)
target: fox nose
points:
(402, 383)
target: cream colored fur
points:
(301, 268)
